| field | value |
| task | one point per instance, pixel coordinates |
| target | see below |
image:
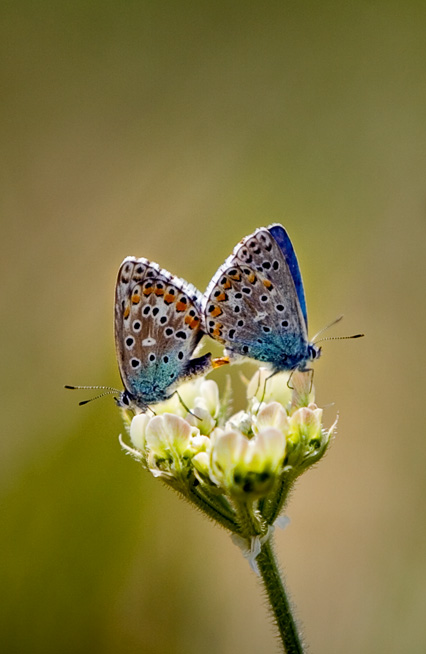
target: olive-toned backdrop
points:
(170, 130)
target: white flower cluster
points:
(242, 457)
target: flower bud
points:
(306, 439)
(271, 415)
(247, 467)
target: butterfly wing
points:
(286, 246)
(252, 305)
(157, 328)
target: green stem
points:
(213, 509)
(278, 600)
(249, 520)
(272, 508)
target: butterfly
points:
(255, 303)
(157, 328)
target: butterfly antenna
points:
(108, 391)
(338, 338)
(324, 329)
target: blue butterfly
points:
(157, 328)
(255, 304)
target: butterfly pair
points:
(254, 305)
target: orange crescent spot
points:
(188, 319)
(221, 297)
(126, 312)
(237, 276)
(217, 332)
(136, 298)
(169, 298)
(194, 323)
(159, 291)
(267, 283)
(227, 285)
(252, 278)
(148, 290)
(217, 311)
(180, 306)
(220, 361)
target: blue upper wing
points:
(283, 240)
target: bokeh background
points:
(170, 130)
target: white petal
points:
(137, 430)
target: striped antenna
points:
(333, 338)
(108, 391)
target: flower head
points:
(279, 434)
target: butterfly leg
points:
(186, 407)
(311, 375)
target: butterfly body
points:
(157, 328)
(255, 304)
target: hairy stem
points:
(278, 600)
(213, 508)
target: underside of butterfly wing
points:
(252, 307)
(157, 328)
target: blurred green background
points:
(170, 130)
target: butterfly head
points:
(127, 401)
(314, 352)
